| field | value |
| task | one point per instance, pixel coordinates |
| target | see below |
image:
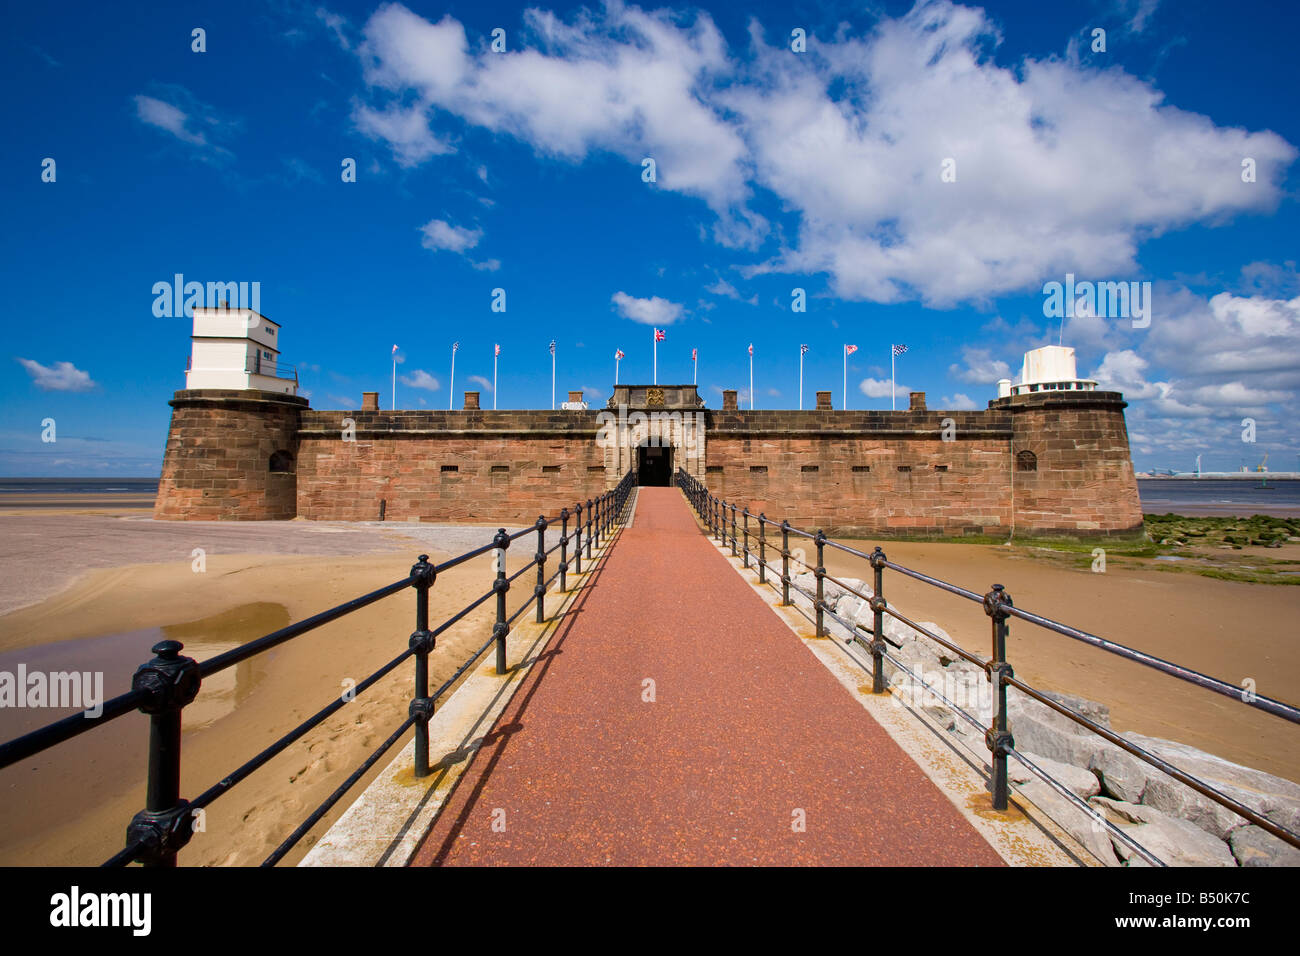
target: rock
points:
(1039, 729)
(1080, 782)
(1255, 847)
(1123, 776)
(1175, 842)
(1274, 797)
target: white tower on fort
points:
(237, 348)
(1051, 368)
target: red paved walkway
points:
(747, 727)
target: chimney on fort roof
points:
(729, 400)
(370, 401)
(918, 401)
(824, 402)
(575, 395)
(471, 401)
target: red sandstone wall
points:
(345, 480)
(1084, 484)
(217, 462)
(970, 497)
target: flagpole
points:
(494, 380)
(394, 381)
(751, 378)
(892, 404)
(552, 378)
(655, 336)
(801, 378)
(845, 402)
(615, 369)
(451, 385)
(695, 375)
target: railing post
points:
(998, 738)
(878, 605)
(540, 588)
(733, 530)
(165, 824)
(785, 562)
(577, 538)
(564, 546)
(820, 571)
(762, 548)
(501, 586)
(422, 642)
(600, 518)
(590, 509)
(744, 551)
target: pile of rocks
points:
(1175, 823)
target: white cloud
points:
(849, 137)
(880, 388)
(652, 311)
(439, 234)
(167, 117)
(980, 367)
(60, 377)
(421, 379)
(959, 402)
(335, 24)
(481, 382)
(723, 287)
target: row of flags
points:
(659, 336)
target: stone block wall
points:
(1083, 483)
(467, 465)
(866, 473)
(218, 461)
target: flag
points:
(695, 355)
(751, 348)
(498, 350)
(659, 335)
(552, 346)
(455, 346)
(394, 349)
(803, 349)
(618, 354)
(900, 349)
(850, 349)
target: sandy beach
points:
(71, 806)
(72, 578)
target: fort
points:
(1049, 457)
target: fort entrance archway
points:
(654, 465)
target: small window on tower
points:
(1026, 461)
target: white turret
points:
(1050, 368)
(237, 348)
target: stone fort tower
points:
(1048, 457)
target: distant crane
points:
(1263, 465)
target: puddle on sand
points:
(49, 788)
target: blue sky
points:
(776, 170)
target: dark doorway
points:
(654, 466)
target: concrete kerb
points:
(1023, 835)
(385, 824)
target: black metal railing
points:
(998, 606)
(165, 685)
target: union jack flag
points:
(394, 349)
(659, 335)
(900, 349)
(850, 349)
(695, 355)
(803, 349)
(751, 348)
(618, 354)
(498, 350)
